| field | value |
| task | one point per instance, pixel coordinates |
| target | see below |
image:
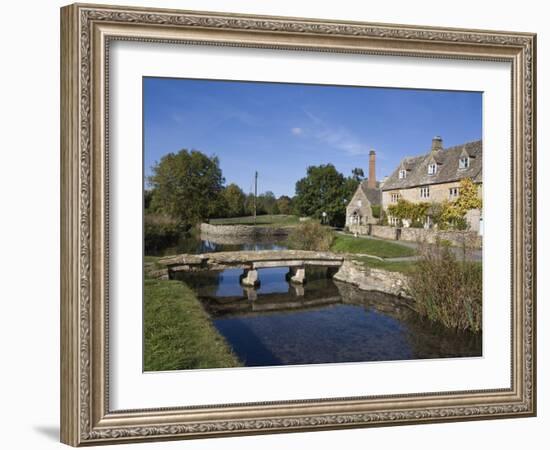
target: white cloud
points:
(296, 131)
(336, 136)
(342, 139)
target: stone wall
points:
(430, 236)
(456, 238)
(359, 229)
(243, 230)
(370, 279)
(384, 232)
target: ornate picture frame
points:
(86, 34)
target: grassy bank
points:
(178, 333)
(375, 247)
(264, 220)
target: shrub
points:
(376, 211)
(447, 290)
(383, 218)
(310, 235)
(160, 231)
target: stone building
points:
(367, 195)
(435, 177)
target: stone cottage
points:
(367, 195)
(435, 176)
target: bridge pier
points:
(251, 293)
(250, 278)
(296, 274)
(297, 289)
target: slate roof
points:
(447, 167)
(374, 196)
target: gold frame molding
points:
(86, 31)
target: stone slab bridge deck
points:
(251, 261)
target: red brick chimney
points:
(371, 183)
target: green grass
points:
(267, 219)
(151, 263)
(150, 259)
(405, 267)
(375, 247)
(178, 333)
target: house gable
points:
(447, 163)
(359, 209)
(359, 201)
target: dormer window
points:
(463, 162)
(402, 174)
(432, 169)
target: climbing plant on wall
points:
(405, 210)
(446, 214)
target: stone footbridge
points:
(251, 261)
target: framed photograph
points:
(276, 224)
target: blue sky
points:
(281, 129)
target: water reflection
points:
(322, 322)
(195, 243)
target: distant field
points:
(277, 219)
(375, 247)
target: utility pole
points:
(255, 193)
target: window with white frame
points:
(359, 203)
(402, 174)
(425, 192)
(453, 192)
(463, 162)
(432, 169)
(394, 197)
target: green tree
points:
(218, 207)
(187, 186)
(323, 189)
(267, 203)
(357, 174)
(284, 204)
(234, 200)
(147, 197)
(249, 205)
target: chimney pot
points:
(437, 144)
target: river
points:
(323, 321)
